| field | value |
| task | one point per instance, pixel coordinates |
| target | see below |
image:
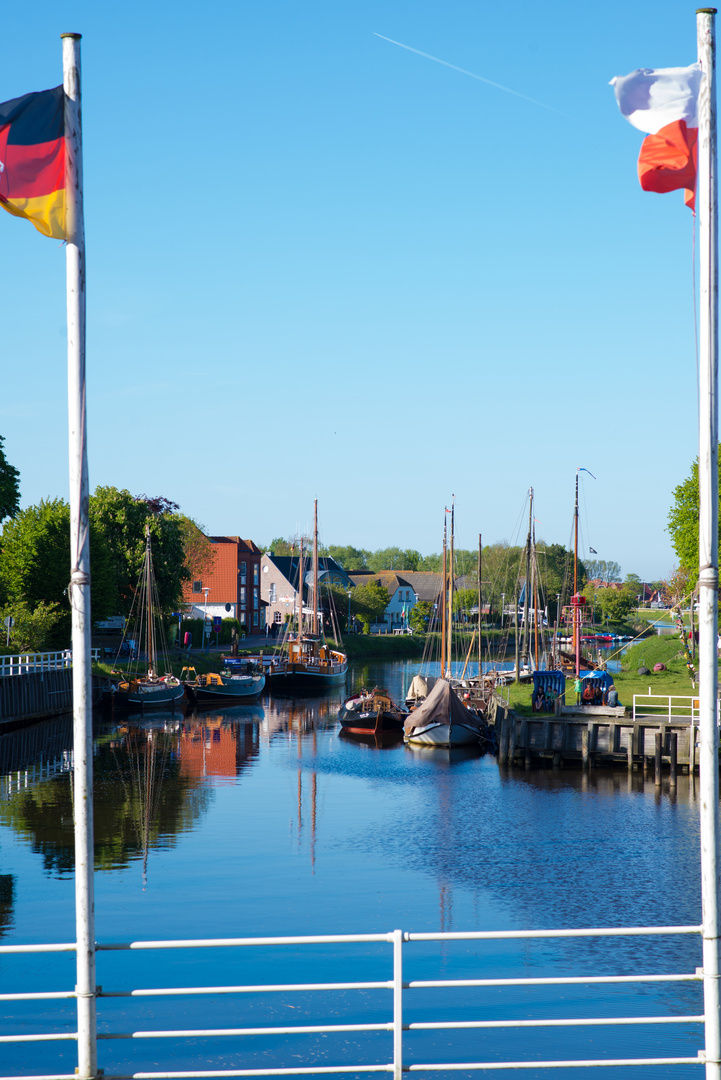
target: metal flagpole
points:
(79, 590)
(708, 536)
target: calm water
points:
(262, 820)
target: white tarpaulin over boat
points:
(442, 706)
(421, 686)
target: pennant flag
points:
(32, 160)
(664, 104)
(593, 551)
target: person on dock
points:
(588, 694)
(612, 697)
(578, 687)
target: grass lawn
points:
(650, 651)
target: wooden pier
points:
(597, 738)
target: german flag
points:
(32, 160)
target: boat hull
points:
(154, 696)
(370, 722)
(234, 688)
(445, 735)
(301, 677)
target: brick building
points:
(230, 588)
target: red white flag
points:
(664, 104)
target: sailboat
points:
(442, 719)
(307, 662)
(142, 685)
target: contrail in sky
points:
(471, 74)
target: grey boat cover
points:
(421, 686)
(442, 706)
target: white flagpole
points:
(708, 536)
(80, 567)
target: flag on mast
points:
(32, 160)
(664, 103)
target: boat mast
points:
(525, 653)
(480, 603)
(450, 584)
(315, 569)
(534, 573)
(300, 590)
(149, 603)
(443, 601)
(576, 608)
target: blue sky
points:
(322, 266)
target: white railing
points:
(30, 663)
(395, 1024)
(667, 706)
(23, 779)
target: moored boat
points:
(227, 685)
(443, 720)
(369, 712)
(308, 663)
(141, 685)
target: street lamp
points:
(348, 619)
(503, 605)
(206, 632)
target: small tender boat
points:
(229, 685)
(443, 720)
(368, 712)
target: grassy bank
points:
(383, 646)
(655, 650)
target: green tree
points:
(465, 599)
(35, 565)
(280, 546)
(683, 521)
(33, 629)
(121, 519)
(9, 486)
(198, 551)
(348, 557)
(420, 616)
(393, 558)
(600, 568)
(368, 603)
(615, 604)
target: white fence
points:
(400, 1031)
(666, 706)
(30, 663)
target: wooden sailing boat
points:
(308, 663)
(442, 718)
(142, 685)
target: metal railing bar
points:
(50, 996)
(505, 935)
(193, 1033)
(65, 1035)
(45, 1076)
(590, 1063)
(202, 1073)
(248, 989)
(69, 946)
(560, 980)
(219, 943)
(595, 1022)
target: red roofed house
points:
(230, 588)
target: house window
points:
(255, 598)
(255, 573)
(243, 569)
(273, 593)
(278, 617)
(242, 595)
(255, 618)
(198, 586)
